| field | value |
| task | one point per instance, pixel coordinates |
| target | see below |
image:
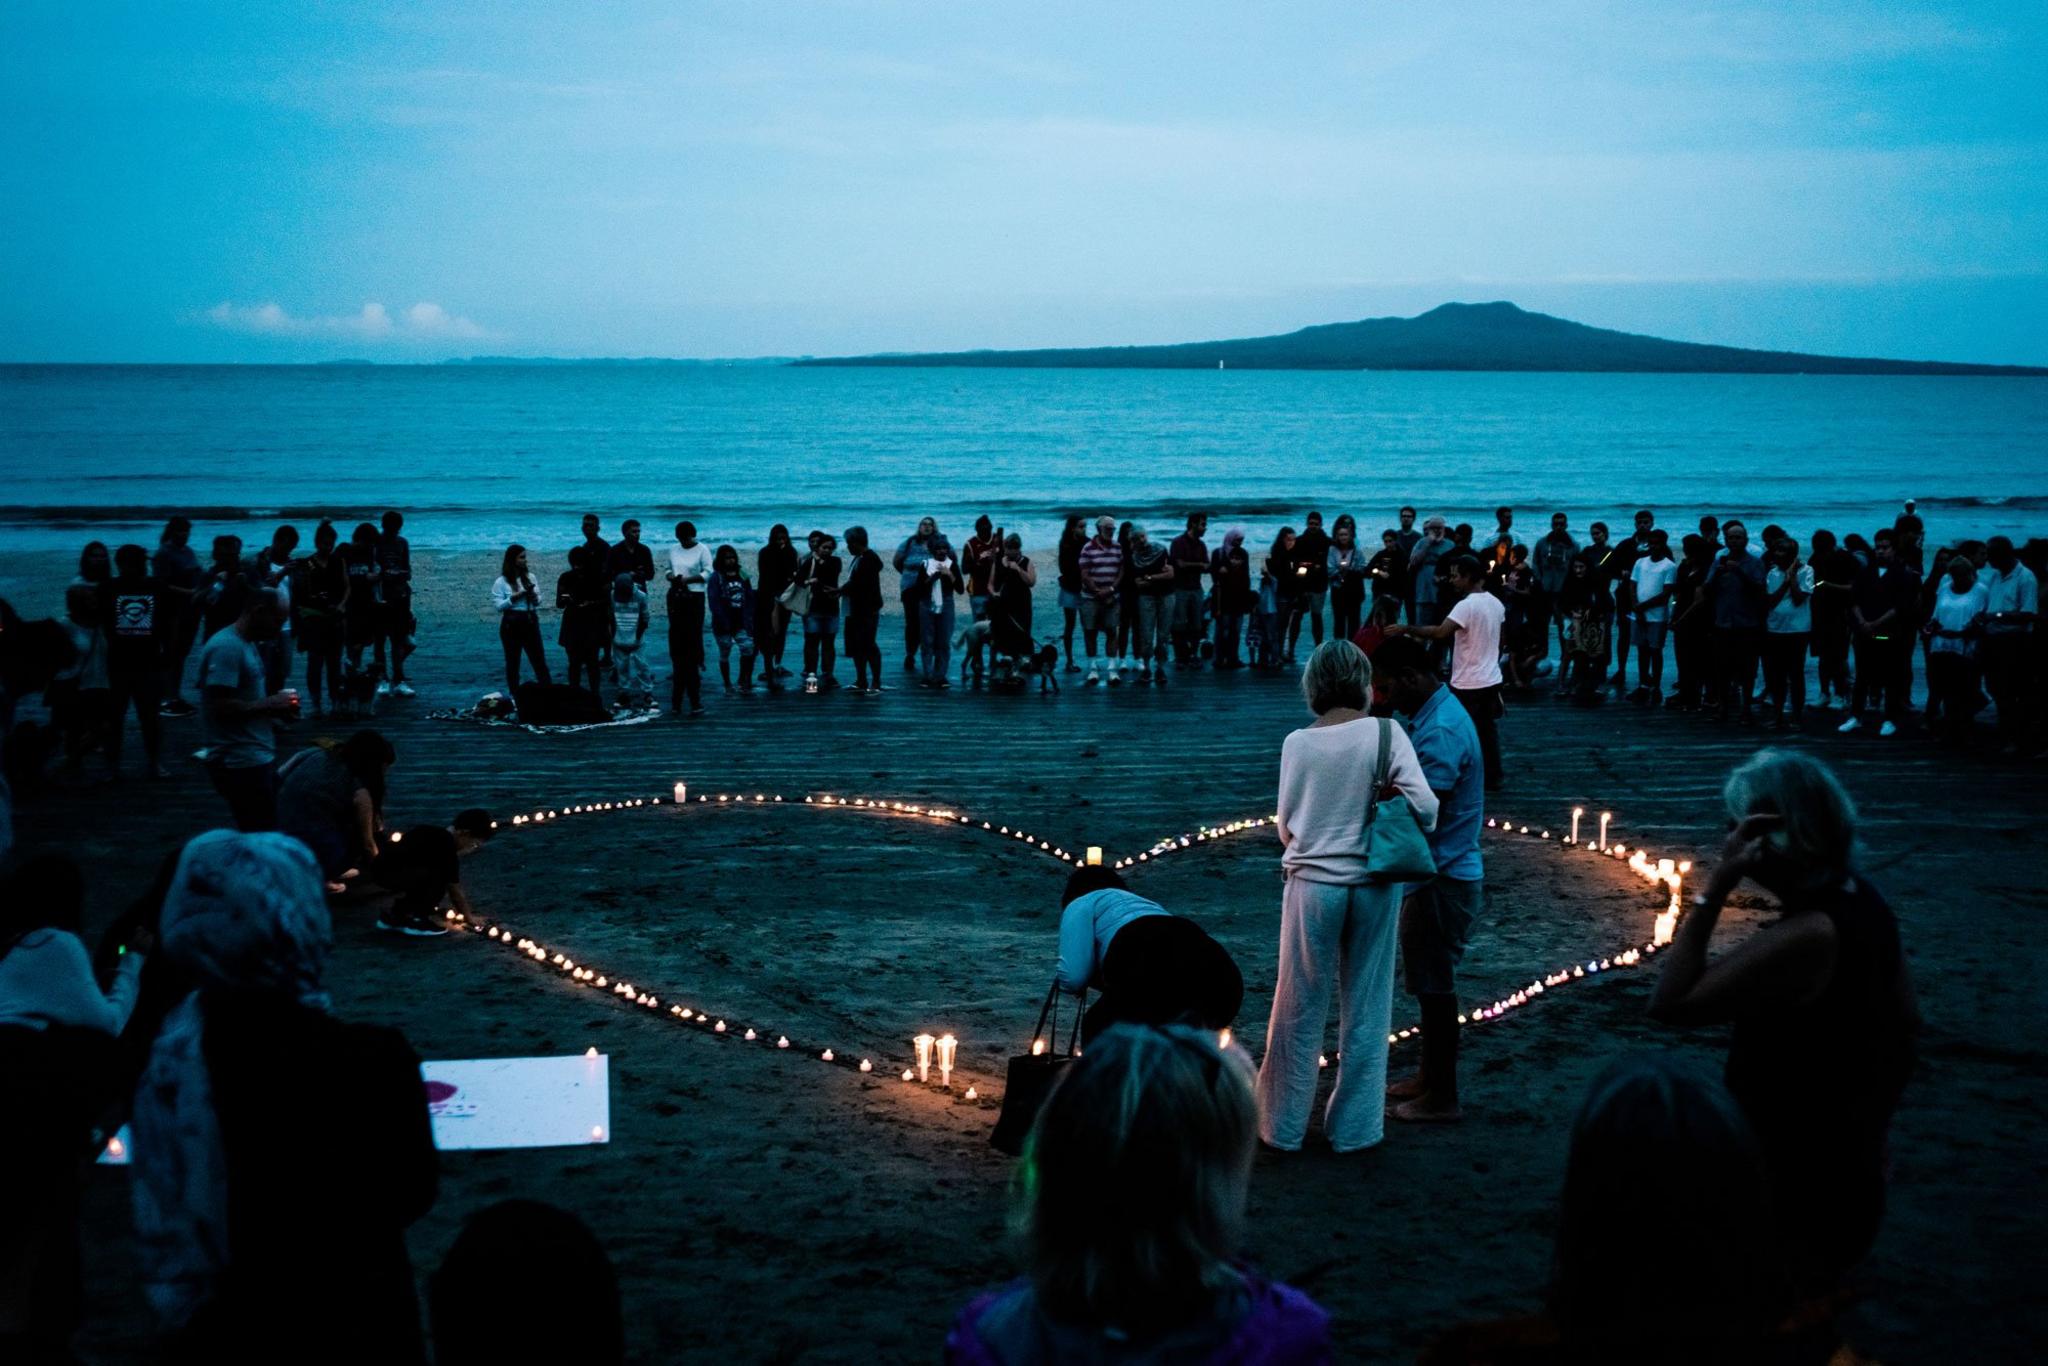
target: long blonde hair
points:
(1131, 1194)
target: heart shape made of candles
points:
(1664, 873)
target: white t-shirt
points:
(1786, 619)
(695, 560)
(1954, 611)
(1650, 578)
(1475, 650)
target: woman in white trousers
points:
(1337, 930)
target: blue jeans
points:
(937, 628)
(820, 630)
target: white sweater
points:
(46, 980)
(1325, 774)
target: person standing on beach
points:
(1437, 916)
(1625, 615)
(1312, 581)
(271, 567)
(319, 602)
(1190, 556)
(597, 553)
(689, 571)
(1406, 537)
(1735, 587)
(977, 557)
(1101, 563)
(819, 572)
(224, 591)
(774, 566)
(1552, 559)
(863, 604)
(731, 600)
(1072, 538)
(1347, 578)
(1788, 622)
(240, 714)
(1955, 632)
(516, 599)
(134, 667)
(1473, 629)
(909, 564)
(394, 592)
(1651, 579)
(2013, 608)
(1427, 609)
(1834, 581)
(1338, 927)
(363, 622)
(584, 600)
(176, 570)
(1885, 618)
(1153, 573)
(1230, 580)
(939, 580)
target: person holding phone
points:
(1822, 1007)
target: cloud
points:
(423, 322)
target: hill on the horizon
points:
(1490, 336)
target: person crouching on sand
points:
(1151, 966)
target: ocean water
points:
(478, 456)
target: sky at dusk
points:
(292, 181)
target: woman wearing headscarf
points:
(279, 1153)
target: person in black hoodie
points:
(279, 1153)
(582, 594)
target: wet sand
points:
(764, 1206)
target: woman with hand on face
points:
(1823, 1012)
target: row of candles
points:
(929, 1048)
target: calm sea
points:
(478, 456)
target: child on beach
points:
(629, 624)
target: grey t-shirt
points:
(245, 741)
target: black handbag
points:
(1030, 1078)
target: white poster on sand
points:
(501, 1103)
(520, 1102)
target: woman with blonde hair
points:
(1823, 1013)
(1337, 925)
(1130, 1203)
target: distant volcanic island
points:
(1490, 336)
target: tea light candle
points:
(1094, 856)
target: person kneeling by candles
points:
(419, 863)
(1152, 967)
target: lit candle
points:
(1577, 812)
(1605, 817)
(972, 1094)
(597, 1133)
(866, 1066)
(909, 1075)
(826, 1056)
(1094, 856)
(1223, 1039)
(947, 1045)
(1037, 1047)
(682, 792)
(923, 1044)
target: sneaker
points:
(419, 927)
(177, 707)
(1072, 667)
(696, 709)
(1888, 730)
(383, 688)
(1853, 723)
(1093, 679)
(403, 689)
(387, 922)
(1115, 679)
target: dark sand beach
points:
(762, 1206)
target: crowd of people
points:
(1137, 1170)
(1752, 627)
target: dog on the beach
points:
(1007, 673)
(357, 697)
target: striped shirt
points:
(1100, 564)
